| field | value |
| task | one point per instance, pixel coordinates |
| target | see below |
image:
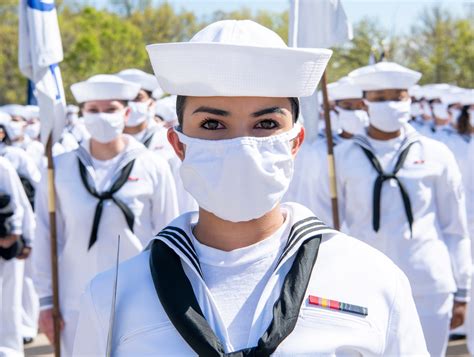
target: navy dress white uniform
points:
(311, 176)
(152, 134)
(131, 195)
(20, 223)
(189, 298)
(404, 196)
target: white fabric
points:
(237, 58)
(40, 51)
(384, 75)
(346, 271)
(149, 193)
(104, 127)
(353, 121)
(166, 109)
(331, 29)
(344, 88)
(389, 116)
(436, 259)
(145, 80)
(104, 87)
(236, 280)
(222, 174)
(15, 110)
(33, 130)
(435, 313)
(30, 303)
(440, 111)
(140, 112)
(435, 90)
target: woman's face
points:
(218, 118)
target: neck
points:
(108, 150)
(225, 235)
(346, 135)
(440, 122)
(377, 134)
(132, 130)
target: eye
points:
(267, 124)
(212, 124)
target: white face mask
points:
(440, 111)
(140, 112)
(15, 129)
(416, 109)
(426, 109)
(104, 127)
(389, 116)
(353, 121)
(471, 117)
(33, 130)
(238, 179)
(335, 125)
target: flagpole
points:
(54, 248)
(330, 156)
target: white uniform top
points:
(436, 259)
(311, 179)
(10, 184)
(24, 165)
(36, 150)
(160, 145)
(149, 192)
(346, 270)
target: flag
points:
(316, 24)
(40, 51)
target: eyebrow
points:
(211, 110)
(265, 111)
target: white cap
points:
(72, 109)
(344, 88)
(384, 75)
(145, 80)
(166, 108)
(157, 93)
(237, 58)
(452, 95)
(33, 111)
(415, 91)
(16, 110)
(104, 87)
(467, 97)
(4, 117)
(435, 91)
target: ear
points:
(179, 148)
(128, 110)
(297, 142)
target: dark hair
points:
(463, 121)
(6, 140)
(181, 102)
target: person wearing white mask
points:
(246, 275)
(307, 185)
(402, 193)
(16, 229)
(461, 144)
(110, 186)
(74, 131)
(142, 126)
(447, 106)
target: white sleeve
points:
(165, 203)
(41, 254)
(451, 210)
(12, 186)
(91, 337)
(404, 335)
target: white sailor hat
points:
(4, 117)
(415, 91)
(452, 95)
(145, 80)
(237, 58)
(104, 87)
(467, 97)
(435, 90)
(384, 75)
(344, 88)
(166, 108)
(16, 110)
(33, 111)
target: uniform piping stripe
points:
(184, 251)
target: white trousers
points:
(71, 318)
(435, 313)
(470, 321)
(30, 302)
(11, 286)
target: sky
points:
(394, 15)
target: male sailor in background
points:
(402, 193)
